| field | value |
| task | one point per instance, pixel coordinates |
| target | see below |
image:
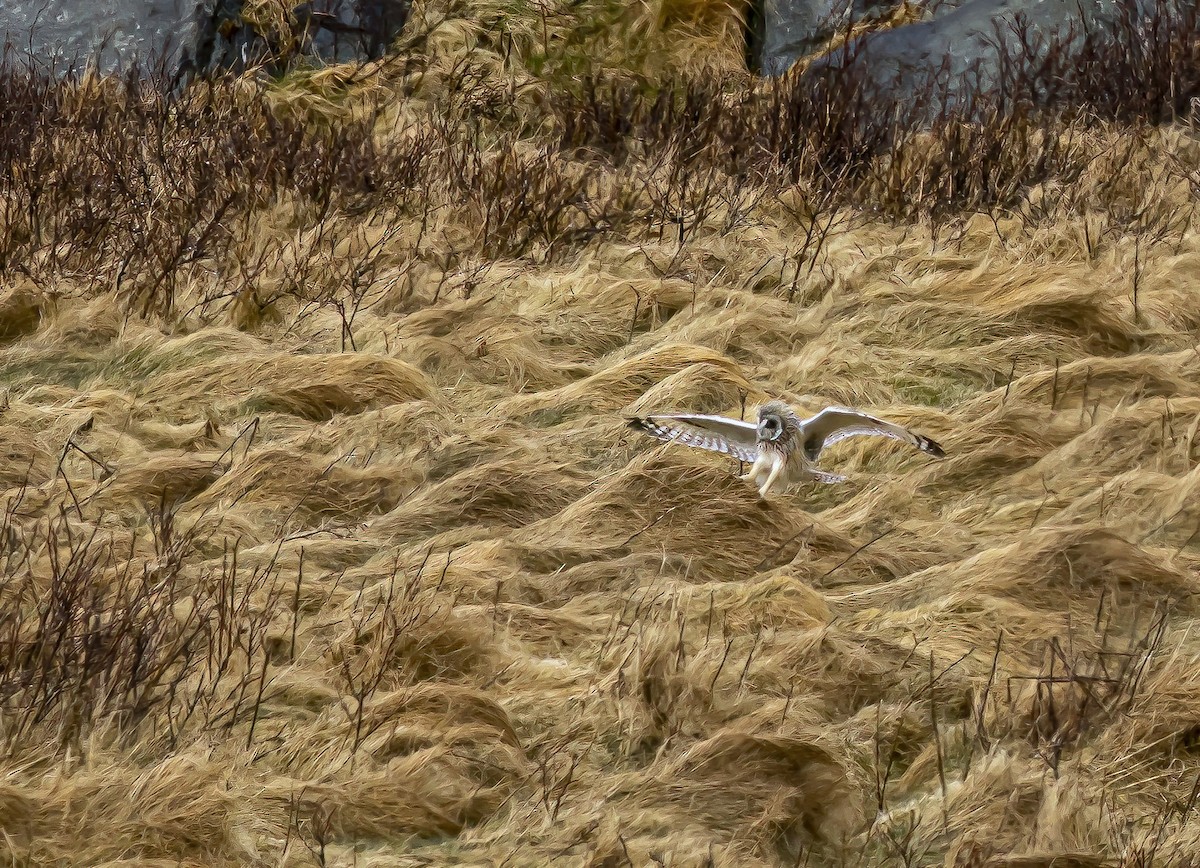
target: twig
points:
(852, 554)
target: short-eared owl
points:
(782, 448)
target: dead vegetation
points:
(324, 542)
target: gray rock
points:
(328, 30)
(63, 36)
(180, 37)
(782, 31)
(979, 48)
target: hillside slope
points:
(325, 541)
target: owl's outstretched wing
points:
(715, 433)
(837, 423)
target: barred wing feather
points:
(715, 433)
(834, 424)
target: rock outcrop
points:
(182, 37)
(781, 31)
(63, 36)
(328, 30)
(982, 50)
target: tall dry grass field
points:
(324, 542)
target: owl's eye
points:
(770, 428)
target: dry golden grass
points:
(333, 549)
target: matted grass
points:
(324, 541)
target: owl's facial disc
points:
(770, 427)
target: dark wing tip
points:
(647, 426)
(933, 448)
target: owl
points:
(782, 449)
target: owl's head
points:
(772, 421)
